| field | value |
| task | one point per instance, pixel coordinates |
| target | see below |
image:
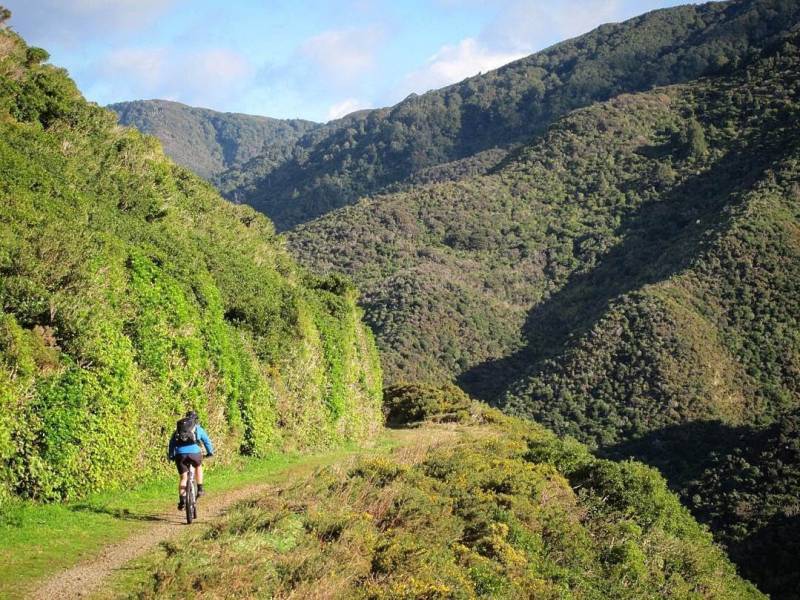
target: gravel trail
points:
(85, 578)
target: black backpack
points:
(186, 432)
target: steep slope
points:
(695, 312)
(450, 271)
(745, 483)
(206, 141)
(130, 291)
(637, 271)
(365, 152)
(500, 509)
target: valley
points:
(569, 286)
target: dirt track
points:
(84, 579)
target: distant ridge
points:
(206, 141)
(377, 150)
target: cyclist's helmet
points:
(191, 414)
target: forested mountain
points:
(449, 271)
(130, 291)
(206, 141)
(367, 151)
(603, 237)
(630, 274)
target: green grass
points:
(38, 540)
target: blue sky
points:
(316, 59)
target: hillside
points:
(488, 508)
(130, 291)
(605, 204)
(693, 312)
(206, 141)
(631, 272)
(368, 151)
(744, 482)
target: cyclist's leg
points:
(197, 461)
(183, 472)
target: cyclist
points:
(184, 449)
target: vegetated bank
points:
(485, 507)
(130, 291)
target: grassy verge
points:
(39, 540)
(412, 442)
(502, 509)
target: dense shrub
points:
(486, 514)
(407, 404)
(129, 292)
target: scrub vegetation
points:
(130, 291)
(492, 508)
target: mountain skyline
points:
(316, 61)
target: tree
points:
(695, 139)
(36, 56)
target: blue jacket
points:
(201, 435)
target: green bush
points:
(413, 403)
(130, 292)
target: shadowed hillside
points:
(606, 202)
(744, 483)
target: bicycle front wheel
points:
(191, 499)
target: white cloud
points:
(343, 54)
(455, 63)
(529, 26)
(207, 76)
(146, 67)
(345, 107)
(71, 21)
(323, 69)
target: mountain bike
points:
(191, 497)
